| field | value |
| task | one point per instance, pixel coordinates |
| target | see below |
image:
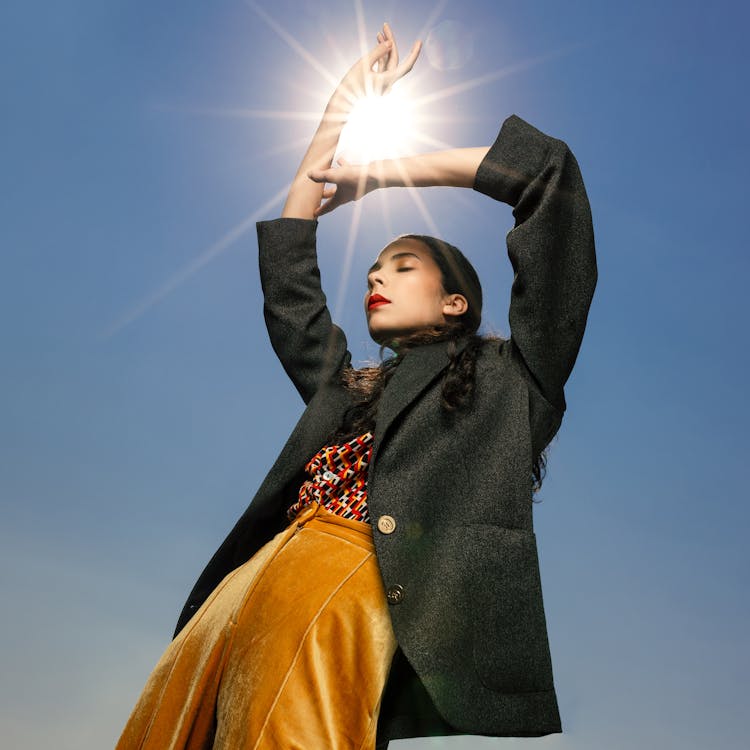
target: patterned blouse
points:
(338, 479)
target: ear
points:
(455, 304)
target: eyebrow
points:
(376, 266)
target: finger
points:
(383, 62)
(380, 39)
(408, 64)
(329, 192)
(377, 53)
(325, 208)
(392, 61)
(342, 161)
(318, 175)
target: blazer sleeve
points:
(310, 347)
(551, 249)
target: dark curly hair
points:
(367, 384)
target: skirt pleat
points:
(292, 650)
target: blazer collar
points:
(419, 367)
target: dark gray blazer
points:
(460, 569)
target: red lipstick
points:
(376, 300)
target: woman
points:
(384, 582)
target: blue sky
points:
(142, 405)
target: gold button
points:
(387, 524)
(395, 593)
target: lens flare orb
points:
(449, 45)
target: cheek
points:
(432, 290)
(424, 285)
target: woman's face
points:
(405, 292)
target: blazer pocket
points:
(509, 631)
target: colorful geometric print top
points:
(338, 479)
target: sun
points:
(380, 127)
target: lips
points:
(377, 300)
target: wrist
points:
(379, 174)
(331, 125)
(339, 106)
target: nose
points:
(374, 278)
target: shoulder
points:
(500, 359)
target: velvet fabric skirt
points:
(291, 651)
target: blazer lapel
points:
(419, 368)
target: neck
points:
(401, 344)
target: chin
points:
(383, 337)
(380, 337)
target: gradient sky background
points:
(142, 405)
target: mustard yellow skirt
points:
(291, 651)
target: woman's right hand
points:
(349, 182)
(377, 71)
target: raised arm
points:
(551, 249)
(350, 182)
(308, 344)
